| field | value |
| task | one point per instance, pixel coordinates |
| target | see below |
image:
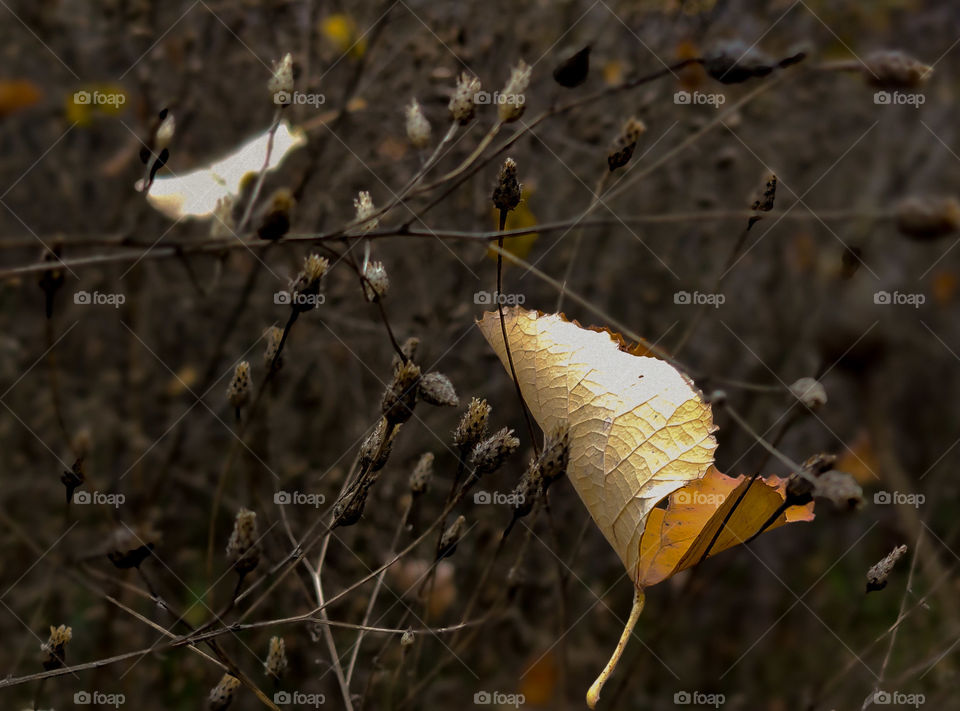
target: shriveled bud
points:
(526, 491)
(401, 395)
(506, 196)
(840, 488)
(238, 393)
(374, 452)
(272, 336)
(409, 350)
(276, 663)
(376, 281)
(422, 474)
(462, 107)
(893, 69)
(735, 62)
(281, 83)
(451, 537)
(765, 202)
(418, 128)
(349, 508)
(127, 548)
(306, 287)
(928, 217)
(242, 548)
(490, 454)
(878, 574)
(436, 389)
(553, 461)
(363, 204)
(810, 392)
(274, 220)
(222, 694)
(625, 143)
(573, 70)
(407, 638)
(55, 647)
(512, 100)
(473, 424)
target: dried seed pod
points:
(280, 85)
(473, 424)
(349, 508)
(418, 128)
(238, 393)
(625, 143)
(422, 474)
(526, 491)
(436, 389)
(928, 217)
(409, 349)
(222, 694)
(893, 69)
(273, 336)
(490, 454)
(765, 202)
(462, 104)
(276, 664)
(401, 395)
(506, 196)
(736, 62)
(451, 537)
(512, 101)
(810, 392)
(553, 461)
(840, 488)
(373, 455)
(363, 204)
(573, 70)
(242, 548)
(376, 281)
(878, 574)
(274, 221)
(128, 548)
(305, 288)
(55, 648)
(407, 638)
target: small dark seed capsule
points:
(572, 71)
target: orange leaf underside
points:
(676, 537)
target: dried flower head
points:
(553, 461)
(376, 281)
(810, 392)
(407, 638)
(422, 474)
(409, 350)
(280, 85)
(128, 548)
(276, 663)
(418, 128)
(222, 224)
(473, 424)
(527, 490)
(401, 395)
(625, 143)
(462, 107)
(274, 220)
(238, 393)
(222, 694)
(928, 217)
(512, 101)
(242, 548)
(506, 196)
(306, 286)
(491, 453)
(55, 647)
(451, 537)
(893, 69)
(878, 574)
(349, 508)
(840, 488)
(436, 389)
(363, 204)
(374, 452)
(765, 202)
(272, 336)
